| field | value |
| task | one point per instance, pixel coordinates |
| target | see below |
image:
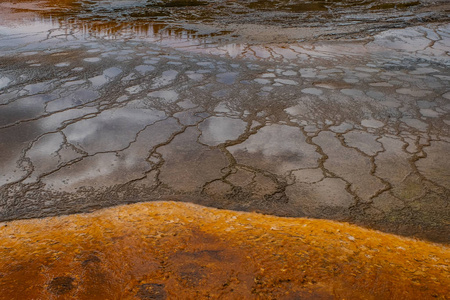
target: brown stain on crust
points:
(167, 250)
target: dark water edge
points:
(325, 19)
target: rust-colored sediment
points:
(183, 251)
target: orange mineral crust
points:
(167, 250)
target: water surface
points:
(320, 112)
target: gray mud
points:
(354, 131)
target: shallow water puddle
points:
(129, 107)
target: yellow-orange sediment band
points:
(169, 250)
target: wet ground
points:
(315, 111)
